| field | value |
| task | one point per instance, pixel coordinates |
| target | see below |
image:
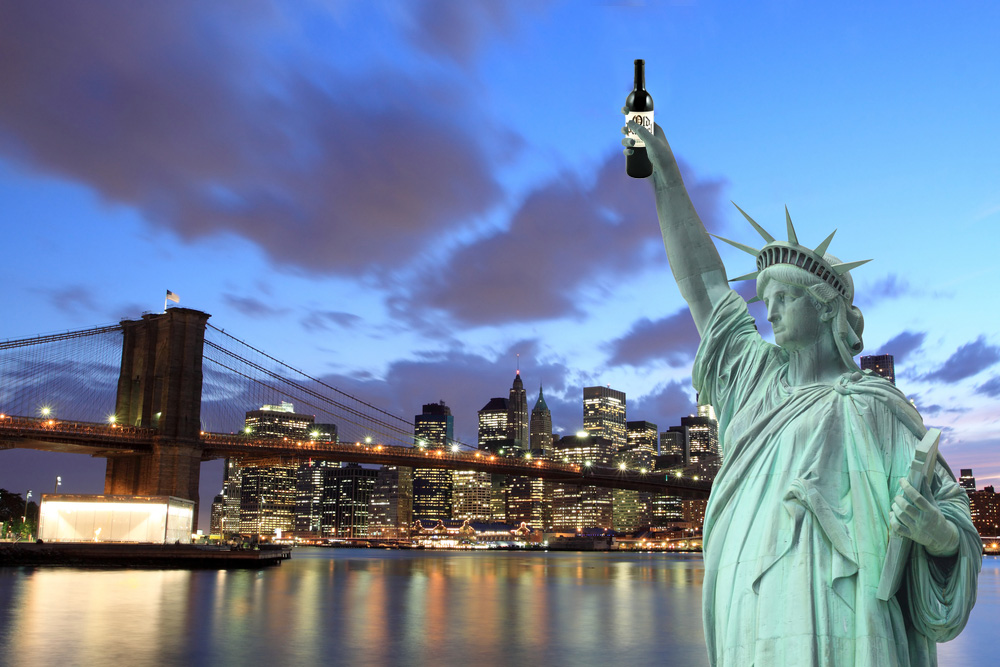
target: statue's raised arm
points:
(694, 261)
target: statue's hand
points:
(915, 516)
(657, 148)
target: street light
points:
(58, 484)
(24, 517)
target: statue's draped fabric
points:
(798, 519)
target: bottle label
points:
(643, 118)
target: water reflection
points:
(364, 607)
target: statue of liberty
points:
(816, 455)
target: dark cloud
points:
(665, 405)
(172, 108)
(967, 361)
(673, 339)
(329, 319)
(457, 29)
(74, 299)
(887, 288)
(564, 239)
(252, 306)
(901, 345)
(990, 388)
(77, 301)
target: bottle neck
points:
(640, 75)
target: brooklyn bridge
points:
(159, 395)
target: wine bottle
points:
(639, 104)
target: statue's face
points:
(795, 320)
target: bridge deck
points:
(111, 439)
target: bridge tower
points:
(160, 387)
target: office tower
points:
(517, 413)
(471, 495)
(218, 513)
(578, 507)
(493, 437)
(698, 439)
(664, 510)
(673, 449)
(267, 492)
(880, 364)
(984, 505)
(643, 445)
(434, 428)
(351, 487)
(541, 427)
(279, 421)
(231, 493)
(391, 506)
(324, 433)
(604, 414)
(267, 499)
(529, 500)
(702, 437)
(967, 481)
(311, 496)
(493, 420)
(630, 510)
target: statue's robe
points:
(797, 524)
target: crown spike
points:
(821, 248)
(760, 230)
(753, 300)
(745, 248)
(792, 237)
(841, 269)
(748, 276)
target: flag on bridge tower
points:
(170, 297)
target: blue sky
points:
(402, 196)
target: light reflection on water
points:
(368, 607)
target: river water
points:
(373, 607)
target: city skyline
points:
(409, 252)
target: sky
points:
(414, 199)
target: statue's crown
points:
(792, 253)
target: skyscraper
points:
(493, 437)
(218, 513)
(604, 414)
(967, 481)
(470, 496)
(880, 364)
(432, 487)
(267, 493)
(700, 438)
(350, 486)
(391, 505)
(517, 413)
(493, 420)
(643, 444)
(541, 426)
(310, 493)
(578, 507)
